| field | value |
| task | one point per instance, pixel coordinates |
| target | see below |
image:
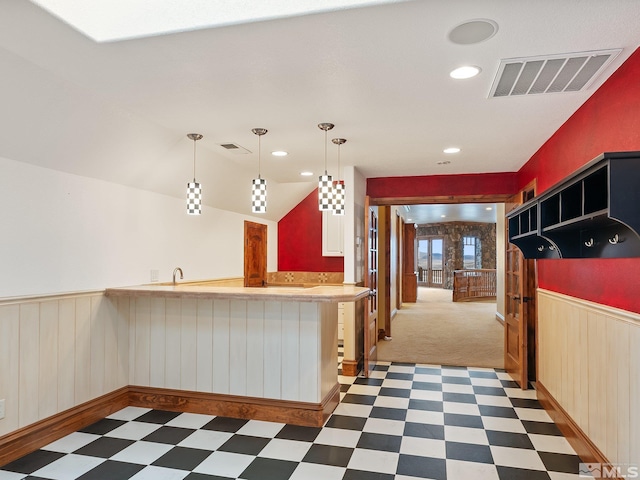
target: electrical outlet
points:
(155, 275)
(2, 408)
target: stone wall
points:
(453, 232)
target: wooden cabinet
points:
(595, 213)
(332, 235)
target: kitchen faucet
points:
(176, 270)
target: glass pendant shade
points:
(325, 192)
(338, 197)
(259, 185)
(338, 185)
(194, 189)
(194, 198)
(259, 195)
(325, 182)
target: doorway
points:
(430, 261)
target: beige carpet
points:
(434, 330)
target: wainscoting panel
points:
(234, 347)
(58, 352)
(589, 361)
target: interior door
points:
(371, 281)
(518, 292)
(409, 270)
(255, 254)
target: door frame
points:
(490, 198)
(523, 365)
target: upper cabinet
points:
(595, 213)
(332, 235)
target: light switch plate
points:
(2, 408)
(155, 274)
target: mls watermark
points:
(608, 470)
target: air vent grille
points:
(234, 148)
(550, 74)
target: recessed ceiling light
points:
(467, 71)
(489, 208)
(444, 162)
(409, 219)
(443, 216)
(306, 174)
(451, 150)
(279, 153)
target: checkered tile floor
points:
(406, 422)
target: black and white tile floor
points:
(405, 422)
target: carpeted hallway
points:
(434, 330)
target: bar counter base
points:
(250, 408)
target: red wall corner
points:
(300, 240)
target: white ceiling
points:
(120, 111)
(451, 212)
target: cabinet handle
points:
(541, 248)
(590, 243)
(614, 240)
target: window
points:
(471, 256)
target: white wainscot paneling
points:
(57, 352)
(589, 357)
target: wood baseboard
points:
(30, 438)
(351, 368)
(580, 442)
(271, 410)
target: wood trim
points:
(500, 318)
(351, 368)
(495, 198)
(597, 308)
(271, 410)
(30, 438)
(580, 442)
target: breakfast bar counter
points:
(258, 353)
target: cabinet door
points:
(332, 235)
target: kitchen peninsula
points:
(259, 353)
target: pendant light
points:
(325, 182)
(338, 185)
(259, 185)
(194, 190)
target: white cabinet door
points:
(332, 235)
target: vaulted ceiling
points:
(120, 111)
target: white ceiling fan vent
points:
(234, 148)
(550, 74)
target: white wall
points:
(63, 232)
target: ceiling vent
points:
(550, 74)
(234, 148)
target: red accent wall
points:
(300, 240)
(609, 121)
(443, 185)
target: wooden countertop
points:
(319, 293)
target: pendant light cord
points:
(325, 152)
(194, 160)
(259, 154)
